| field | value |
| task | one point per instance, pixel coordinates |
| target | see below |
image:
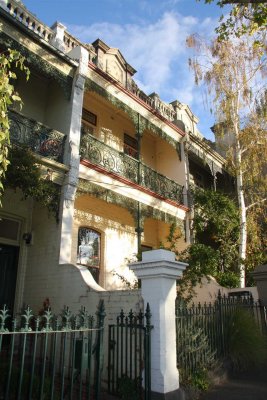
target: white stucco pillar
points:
(72, 156)
(3, 4)
(158, 272)
(58, 39)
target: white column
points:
(158, 272)
(72, 157)
(58, 39)
(3, 4)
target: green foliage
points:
(194, 348)
(24, 173)
(215, 251)
(216, 219)
(247, 346)
(244, 18)
(8, 61)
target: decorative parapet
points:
(20, 12)
(136, 171)
(153, 100)
(71, 42)
(39, 138)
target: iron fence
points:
(51, 357)
(203, 330)
(129, 355)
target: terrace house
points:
(123, 162)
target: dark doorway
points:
(8, 274)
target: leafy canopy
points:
(215, 251)
(245, 17)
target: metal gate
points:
(51, 357)
(129, 355)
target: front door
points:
(8, 274)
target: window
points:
(89, 117)
(88, 250)
(9, 230)
(130, 146)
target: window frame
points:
(130, 146)
(94, 269)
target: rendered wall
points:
(118, 239)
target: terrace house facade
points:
(123, 162)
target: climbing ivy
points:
(24, 173)
(9, 60)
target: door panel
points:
(8, 274)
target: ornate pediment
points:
(112, 61)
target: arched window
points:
(88, 251)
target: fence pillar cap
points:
(158, 263)
(157, 255)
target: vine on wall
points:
(24, 173)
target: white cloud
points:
(157, 51)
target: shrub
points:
(194, 357)
(246, 344)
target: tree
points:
(215, 248)
(245, 17)
(233, 72)
(9, 60)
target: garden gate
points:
(129, 355)
(51, 357)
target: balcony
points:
(125, 166)
(39, 138)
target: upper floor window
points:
(130, 146)
(89, 117)
(88, 250)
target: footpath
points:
(238, 389)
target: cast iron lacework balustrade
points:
(121, 164)
(39, 138)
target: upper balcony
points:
(126, 166)
(41, 139)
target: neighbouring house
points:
(123, 162)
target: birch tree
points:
(233, 72)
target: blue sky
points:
(150, 34)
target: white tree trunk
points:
(242, 214)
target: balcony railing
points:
(123, 165)
(39, 138)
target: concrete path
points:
(238, 390)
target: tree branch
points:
(256, 203)
(243, 1)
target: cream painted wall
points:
(44, 100)
(57, 113)
(118, 239)
(33, 94)
(156, 232)
(148, 150)
(109, 120)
